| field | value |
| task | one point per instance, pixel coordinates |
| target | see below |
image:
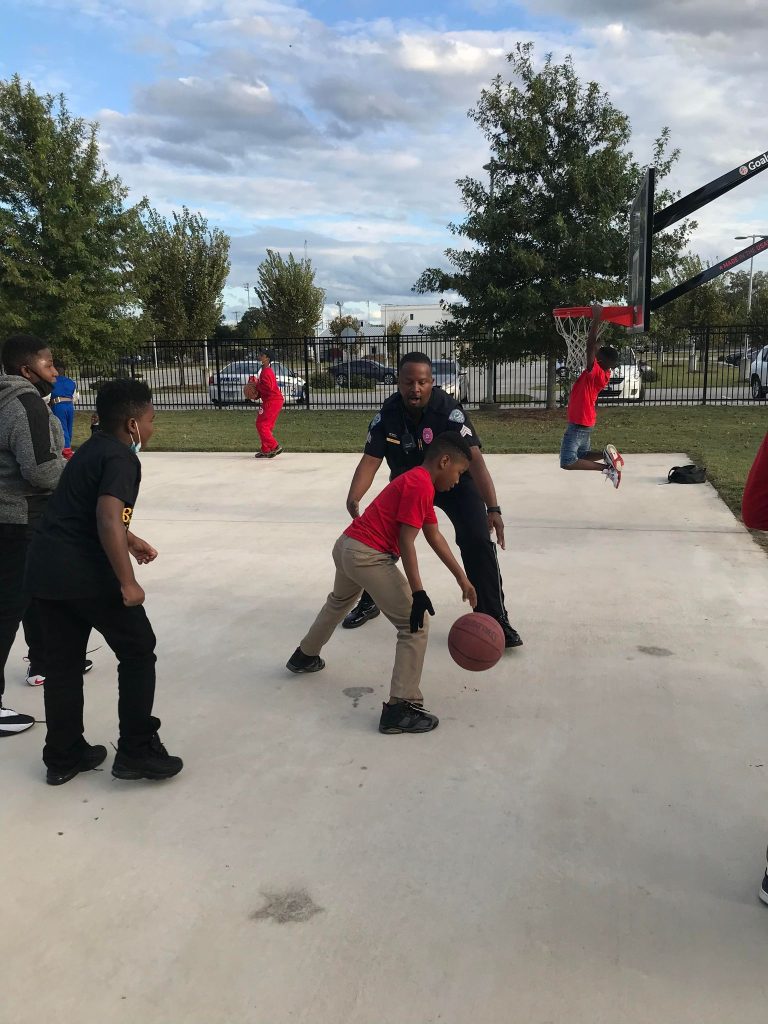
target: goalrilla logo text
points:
(753, 165)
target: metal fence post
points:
(306, 371)
(217, 361)
(706, 366)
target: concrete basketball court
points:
(581, 840)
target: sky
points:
(339, 129)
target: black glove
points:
(421, 605)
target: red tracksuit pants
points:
(265, 421)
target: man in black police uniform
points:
(408, 422)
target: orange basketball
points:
(476, 641)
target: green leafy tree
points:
(65, 234)
(553, 229)
(252, 325)
(339, 323)
(291, 301)
(182, 267)
(707, 304)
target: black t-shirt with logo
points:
(66, 559)
(403, 442)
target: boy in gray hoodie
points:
(31, 463)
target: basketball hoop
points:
(573, 324)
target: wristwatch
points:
(493, 508)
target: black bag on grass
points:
(687, 475)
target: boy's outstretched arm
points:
(114, 539)
(439, 545)
(594, 334)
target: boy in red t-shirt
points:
(365, 557)
(266, 388)
(575, 451)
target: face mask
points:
(135, 445)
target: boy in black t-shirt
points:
(80, 575)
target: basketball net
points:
(573, 324)
(575, 331)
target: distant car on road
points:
(626, 383)
(451, 378)
(368, 369)
(226, 386)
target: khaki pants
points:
(359, 568)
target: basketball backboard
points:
(640, 245)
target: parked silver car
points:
(226, 387)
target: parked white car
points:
(451, 378)
(226, 387)
(626, 383)
(758, 375)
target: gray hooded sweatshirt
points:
(31, 462)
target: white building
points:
(418, 316)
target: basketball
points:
(476, 642)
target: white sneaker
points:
(612, 456)
(614, 475)
(34, 678)
(12, 722)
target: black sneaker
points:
(88, 665)
(274, 452)
(12, 722)
(511, 637)
(301, 662)
(406, 717)
(154, 763)
(362, 612)
(90, 759)
(763, 891)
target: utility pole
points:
(490, 367)
(247, 287)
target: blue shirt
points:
(64, 387)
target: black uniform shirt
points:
(66, 559)
(393, 436)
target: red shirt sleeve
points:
(416, 505)
(754, 503)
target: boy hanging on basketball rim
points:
(575, 451)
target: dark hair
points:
(19, 349)
(414, 357)
(449, 443)
(118, 400)
(608, 354)
(265, 352)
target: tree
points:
(553, 231)
(292, 303)
(707, 304)
(252, 325)
(182, 267)
(65, 234)
(395, 326)
(339, 323)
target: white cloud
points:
(281, 127)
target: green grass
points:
(724, 439)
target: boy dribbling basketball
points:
(575, 450)
(365, 557)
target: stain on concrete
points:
(284, 907)
(356, 692)
(656, 652)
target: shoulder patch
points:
(457, 416)
(375, 421)
(465, 431)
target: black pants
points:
(466, 510)
(14, 606)
(66, 626)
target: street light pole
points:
(753, 238)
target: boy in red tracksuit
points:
(271, 403)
